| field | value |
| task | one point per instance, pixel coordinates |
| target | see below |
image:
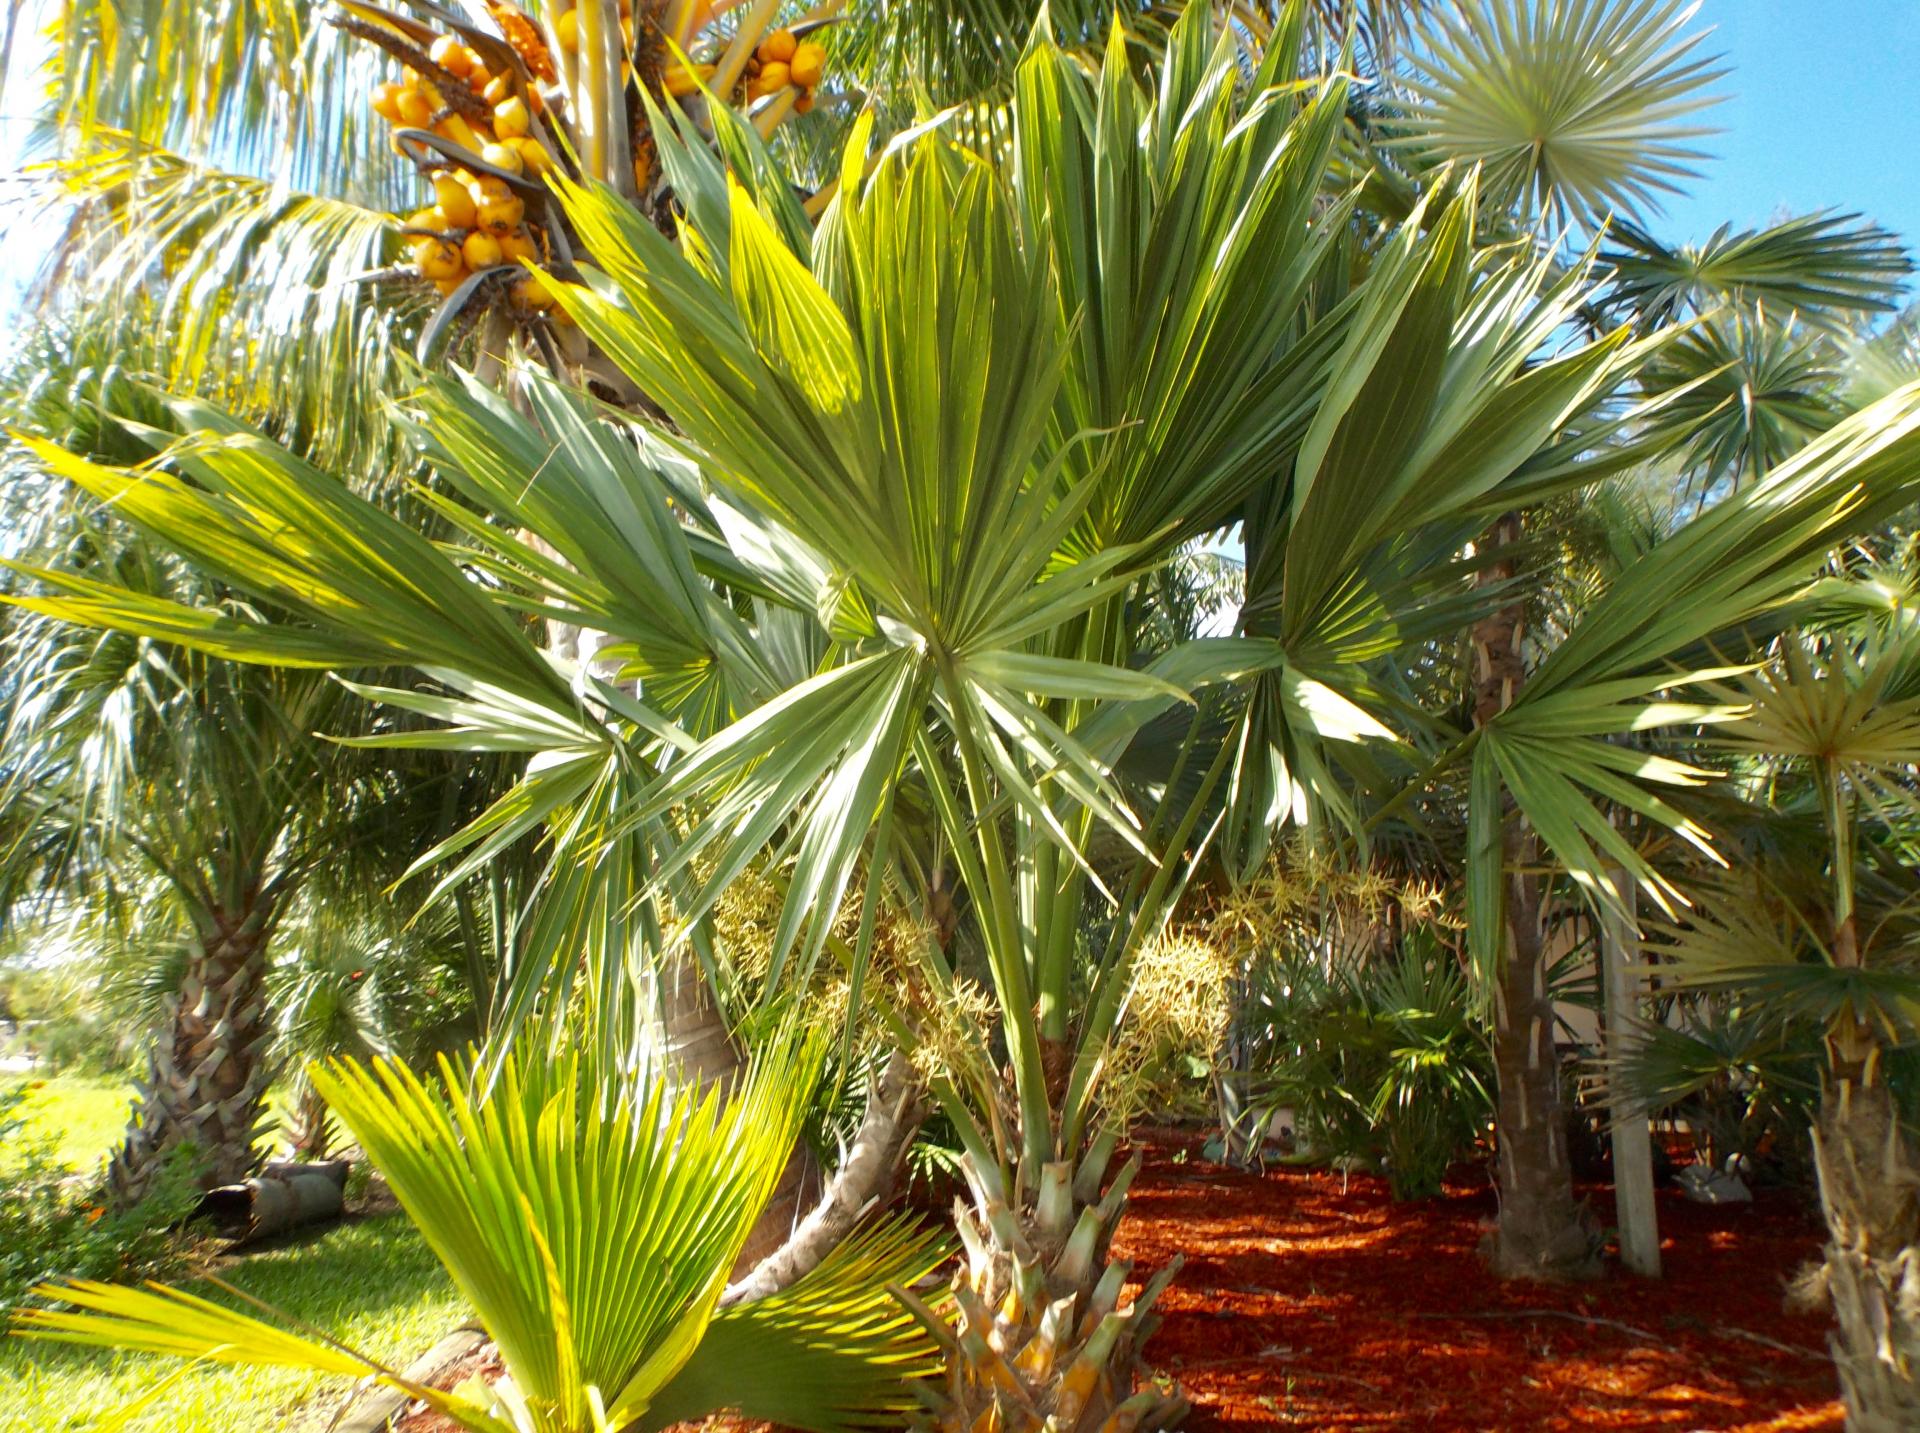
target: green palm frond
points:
(1828, 268)
(256, 87)
(1741, 938)
(1878, 364)
(1726, 1049)
(1557, 747)
(1743, 393)
(591, 1222)
(237, 289)
(1574, 109)
(1852, 703)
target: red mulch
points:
(1310, 1300)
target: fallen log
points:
(284, 1195)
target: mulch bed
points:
(1310, 1300)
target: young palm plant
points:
(590, 1217)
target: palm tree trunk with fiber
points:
(207, 1075)
(1869, 1173)
(1043, 1340)
(1542, 1232)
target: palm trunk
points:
(1869, 1173)
(1543, 1233)
(207, 1073)
(1870, 1192)
(865, 1178)
(307, 1132)
(1042, 1340)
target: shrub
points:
(51, 1223)
(1381, 1060)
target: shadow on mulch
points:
(1310, 1300)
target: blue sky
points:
(1822, 110)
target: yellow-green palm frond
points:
(221, 285)
(591, 1216)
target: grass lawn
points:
(84, 1115)
(369, 1282)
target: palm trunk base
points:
(1870, 1191)
(1041, 1339)
(208, 1071)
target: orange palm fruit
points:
(778, 45)
(773, 77)
(489, 190)
(566, 29)
(479, 77)
(503, 156)
(415, 108)
(429, 218)
(533, 155)
(808, 64)
(518, 245)
(502, 216)
(455, 202)
(481, 250)
(451, 282)
(452, 56)
(532, 293)
(804, 103)
(681, 81)
(436, 258)
(386, 101)
(510, 118)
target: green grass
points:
(371, 1283)
(84, 1115)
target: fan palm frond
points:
(1574, 109)
(591, 1221)
(234, 288)
(1745, 393)
(1828, 268)
(1886, 361)
(256, 87)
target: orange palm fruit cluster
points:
(783, 62)
(476, 222)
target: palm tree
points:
(133, 762)
(867, 580)
(1832, 725)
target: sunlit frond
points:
(233, 288)
(1574, 108)
(1746, 393)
